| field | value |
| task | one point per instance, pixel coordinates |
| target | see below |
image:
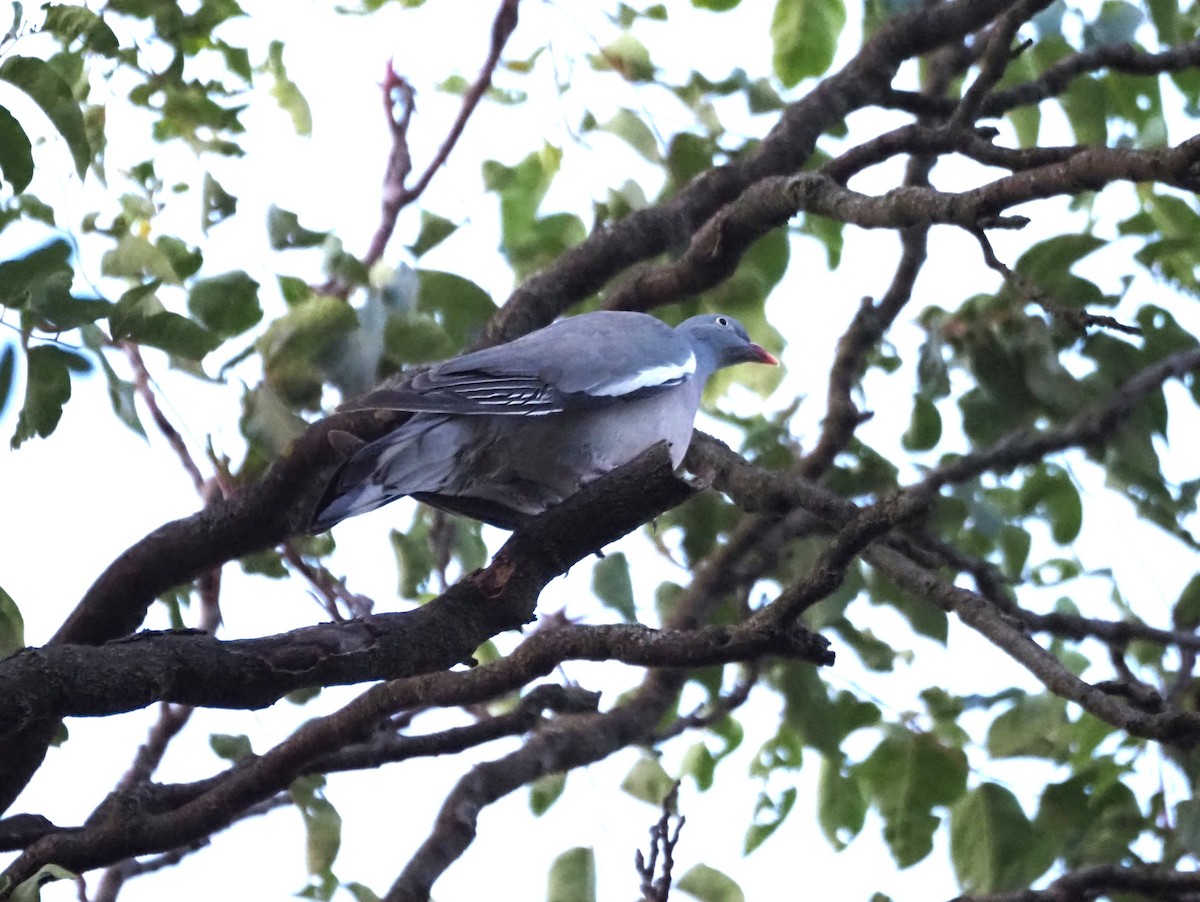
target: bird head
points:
(724, 340)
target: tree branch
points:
(645, 234)
(396, 194)
(718, 246)
(1147, 881)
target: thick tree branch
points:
(385, 747)
(717, 248)
(545, 547)
(583, 741)
(1144, 881)
(858, 528)
(591, 738)
(197, 669)
(644, 234)
(125, 832)
(975, 611)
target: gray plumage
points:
(503, 433)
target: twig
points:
(115, 877)
(718, 710)
(662, 839)
(328, 589)
(142, 385)
(1078, 320)
(1125, 58)
(396, 194)
(996, 57)
(590, 737)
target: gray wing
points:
(589, 360)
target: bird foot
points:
(701, 479)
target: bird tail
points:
(417, 457)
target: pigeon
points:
(501, 434)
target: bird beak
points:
(762, 355)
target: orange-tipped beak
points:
(762, 355)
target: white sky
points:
(99, 488)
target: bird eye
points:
(722, 321)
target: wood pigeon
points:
(503, 433)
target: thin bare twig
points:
(396, 193)
(142, 384)
(656, 881)
(1078, 320)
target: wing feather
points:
(591, 360)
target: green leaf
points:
(805, 35)
(434, 230)
(776, 811)
(1090, 819)
(8, 366)
(414, 558)
(172, 333)
(1027, 123)
(122, 393)
(229, 747)
(1117, 23)
(1187, 825)
(829, 233)
(12, 626)
(545, 791)
(293, 343)
(1015, 543)
(266, 563)
(630, 128)
(294, 290)
(820, 721)
(69, 22)
(626, 56)
(1035, 726)
(992, 843)
(226, 304)
(267, 422)
(906, 776)
(1046, 261)
(925, 428)
(710, 885)
(285, 91)
(1053, 491)
(47, 89)
(284, 231)
(416, 338)
(719, 6)
(216, 203)
(1085, 103)
(136, 259)
(699, 764)
(20, 277)
(322, 825)
(16, 153)
(648, 781)
(841, 808)
(1165, 15)
(460, 306)
(361, 892)
(47, 389)
(31, 890)
(572, 877)
(612, 585)
(1185, 615)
